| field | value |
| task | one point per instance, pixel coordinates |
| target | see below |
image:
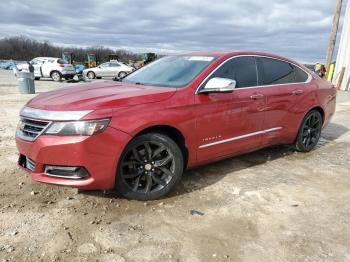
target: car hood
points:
(100, 95)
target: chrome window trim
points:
(308, 80)
(40, 114)
(241, 137)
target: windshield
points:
(170, 71)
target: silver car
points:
(109, 69)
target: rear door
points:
(284, 86)
(230, 123)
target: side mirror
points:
(219, 85)
(99, 66)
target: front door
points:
(103, 70)
(230, 123)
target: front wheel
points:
(91, 75)
(309, 132)
(150, 166)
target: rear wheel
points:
(309, 132)
(122, 74)
(150, 166)
(37, 78)
(56, 76)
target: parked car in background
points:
(50, 67)
(138, 135)
(108, 69)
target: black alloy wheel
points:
(150, 166)
(309, 132)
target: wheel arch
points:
(320, 110)
(90, 70)
(55, 70)
(122, 71)
(173, 133)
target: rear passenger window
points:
(62, 61)
(241, 69)
(272, 72)
(300, 75)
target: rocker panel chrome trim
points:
(241, 137)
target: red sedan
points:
(138, 135)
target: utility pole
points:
(333, 37)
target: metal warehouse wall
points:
(343, 57)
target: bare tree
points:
(24, 49)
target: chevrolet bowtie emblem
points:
(20, 125)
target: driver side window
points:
(241, 69)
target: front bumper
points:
(98, 154)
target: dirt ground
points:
(271, 205)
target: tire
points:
(56, 76)
(91, 75)
(122, 74)
(98, 77)
(309, 131)
(150, 166)
(36, 78)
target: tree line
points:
(25, 49)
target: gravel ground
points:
(270, 205)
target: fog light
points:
(70, 172)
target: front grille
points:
(30, 129)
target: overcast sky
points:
(295, 28)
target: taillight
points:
(61, 65)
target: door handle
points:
(257, 96)
(298, 92)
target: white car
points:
(50, 67)
(108, 69)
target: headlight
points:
(77, 128)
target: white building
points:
(343, 57)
